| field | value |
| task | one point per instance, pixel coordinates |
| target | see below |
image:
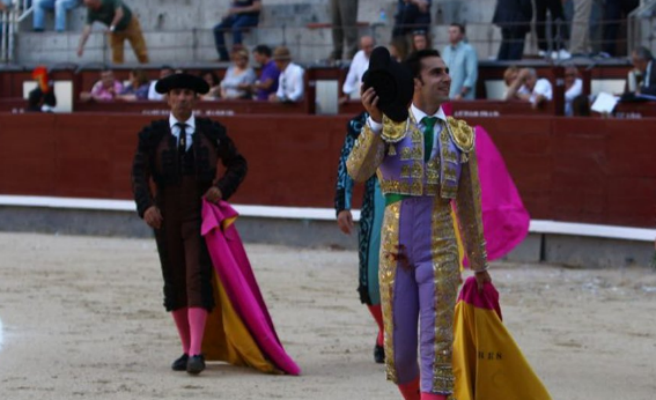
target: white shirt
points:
(190, 128)
(571, 93)
(290, 83)
(359, 66)
(419, 116)
(152, 94)
(645, 79)
(542, 88)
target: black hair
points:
(166, 66)
(263, 49)
(459, 26)
(215, 77)
(643, 53)
(413, 62)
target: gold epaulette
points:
(393, 132)
(462, 134)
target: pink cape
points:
(234, 270)
(505, 219)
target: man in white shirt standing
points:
(291, 80)
(462, 61)
(359, 66)
(528, 87)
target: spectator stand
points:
(322, 88)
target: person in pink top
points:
(107, 88)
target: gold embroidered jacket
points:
(397, 155)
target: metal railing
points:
(9, 21)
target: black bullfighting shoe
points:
(181, 363)
(379, 354)
(196, 364)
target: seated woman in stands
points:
(106, 89)
(214, 82)
(528, 87)
(138, 87)
(239, 77)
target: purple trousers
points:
(419, 279)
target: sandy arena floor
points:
(82, 318)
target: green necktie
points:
(429, 134)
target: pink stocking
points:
(182, 323)
(432, 396)
(410, 391)
(197, 317)
(377, 313)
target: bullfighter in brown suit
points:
(181, 155)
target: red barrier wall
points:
(567, 169)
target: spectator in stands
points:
(214, 83)
(165, 71)
(239, 78)
(268, 82)
(643, 62)
(527, 87)
(614, 12)
(4, 6)
(509, 76)
(242, 14)
(344, 15)
(514, 18)
(558, 29)
(420, 41)
(358, 67)
(60, 7)
(398, 48)
(122, 25)
(42, 98)
(462, 61)
(573, 88)
(412, 16)
(580, 40)
(138, 87)
(106, 89)
(291, 82)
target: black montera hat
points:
(182, 81)
(393, 83)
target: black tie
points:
(182, 140)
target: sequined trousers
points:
(419, 278)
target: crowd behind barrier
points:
(608, 76)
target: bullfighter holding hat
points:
(425, 162)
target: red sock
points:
(182, 323)
(377, 312)
(432, 396)
(197, 317)
(410, 391)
